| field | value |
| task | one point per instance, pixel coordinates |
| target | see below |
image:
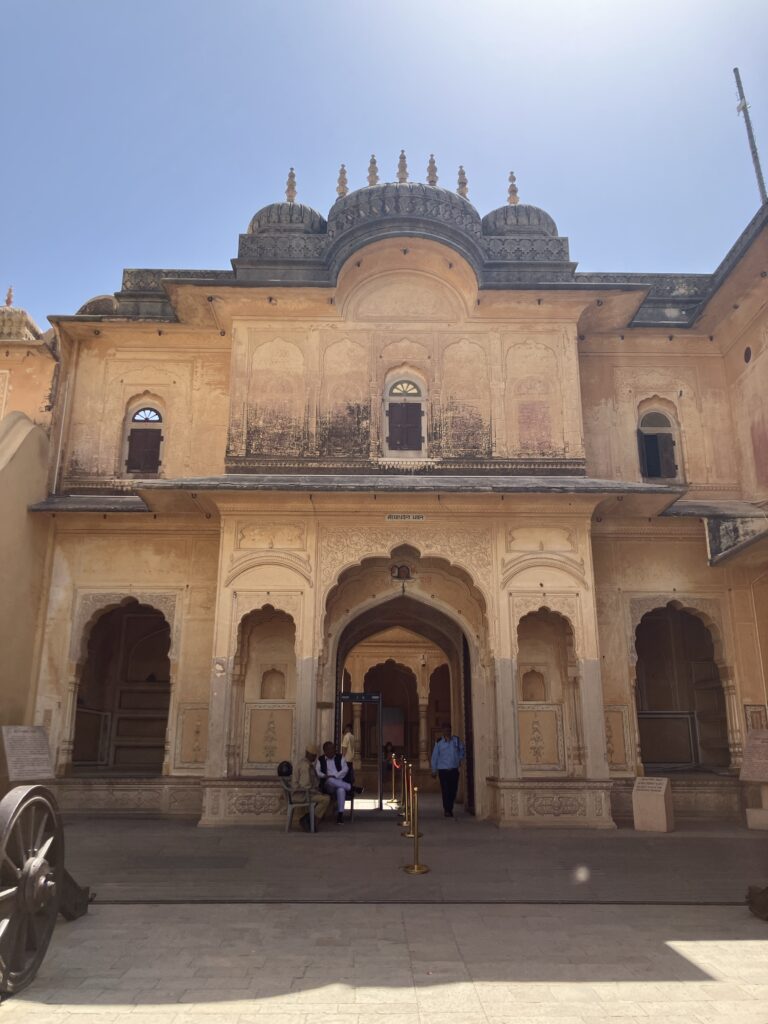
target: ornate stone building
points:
(402, 449)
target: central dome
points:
(403, 201)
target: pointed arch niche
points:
(263, 693)
(549, 730)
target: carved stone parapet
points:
(239, 802)
(562, 804)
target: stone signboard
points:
(652, 805)
(754, 768)
(754, 765)
(26, 756)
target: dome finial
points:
(9, 297)
(402, 168)
(341, 186)
(514, 198)
(373, 171)
(290, 186)
(431, 170)
(463, 189)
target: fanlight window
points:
(405, 389)
(656, 447)
(147, 416)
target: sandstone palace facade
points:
(402, 449)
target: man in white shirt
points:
(332, 770)
(348, 744)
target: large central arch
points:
(426, 620)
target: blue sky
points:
(147, 133)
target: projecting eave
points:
(611, 497)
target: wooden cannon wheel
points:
(31, 880)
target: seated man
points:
(332, 770)
(304, 778)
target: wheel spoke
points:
(28, 814)
(6, 894)
(8, 934)
(43, 851)
(41, 829)
(15, 869)
(19, 841)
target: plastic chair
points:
(295, 798)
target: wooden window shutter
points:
(641, 453)
(143, 451)
(666, 449)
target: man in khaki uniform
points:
(348, 745)
(305, 777)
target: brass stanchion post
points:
(407, 805)
(410, 824)
(416, 868)
(393, 801)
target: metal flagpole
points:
(743, 108)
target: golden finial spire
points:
(463, 188)
(431, 170)
(341, 186)
(514, 198)
(290, 186)
(402, 168)
(9, 297)
(373, 171)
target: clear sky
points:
(146, 133)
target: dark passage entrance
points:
(680, 700)
(124, 693)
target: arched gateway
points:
(428, 618)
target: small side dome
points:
(519, 219)
(99, 305)
(294, 218)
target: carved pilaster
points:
(423, 736)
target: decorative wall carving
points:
(340, 548)
(257, 536)
(89, 603)
(556, 805)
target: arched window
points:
(404, 412)
(145, 438)
(656, 447)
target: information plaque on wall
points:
(26, 754)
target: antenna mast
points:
(743, 108)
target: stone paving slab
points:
(471, 861)
(385, 964)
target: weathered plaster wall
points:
(23, 556)
(746, 367)
(26, 379)
(184, 374)
(499, 380)
(684, 378)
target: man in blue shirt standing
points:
(446, 761)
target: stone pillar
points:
(593, 719)
(639, 767)
(574, 713)
(357, 713)
(498, 417)
(733, 718)
(219, 742)
(506, 695)
(423, 735)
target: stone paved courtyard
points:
(412, 950)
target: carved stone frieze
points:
(556, 804)
(254, 803)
